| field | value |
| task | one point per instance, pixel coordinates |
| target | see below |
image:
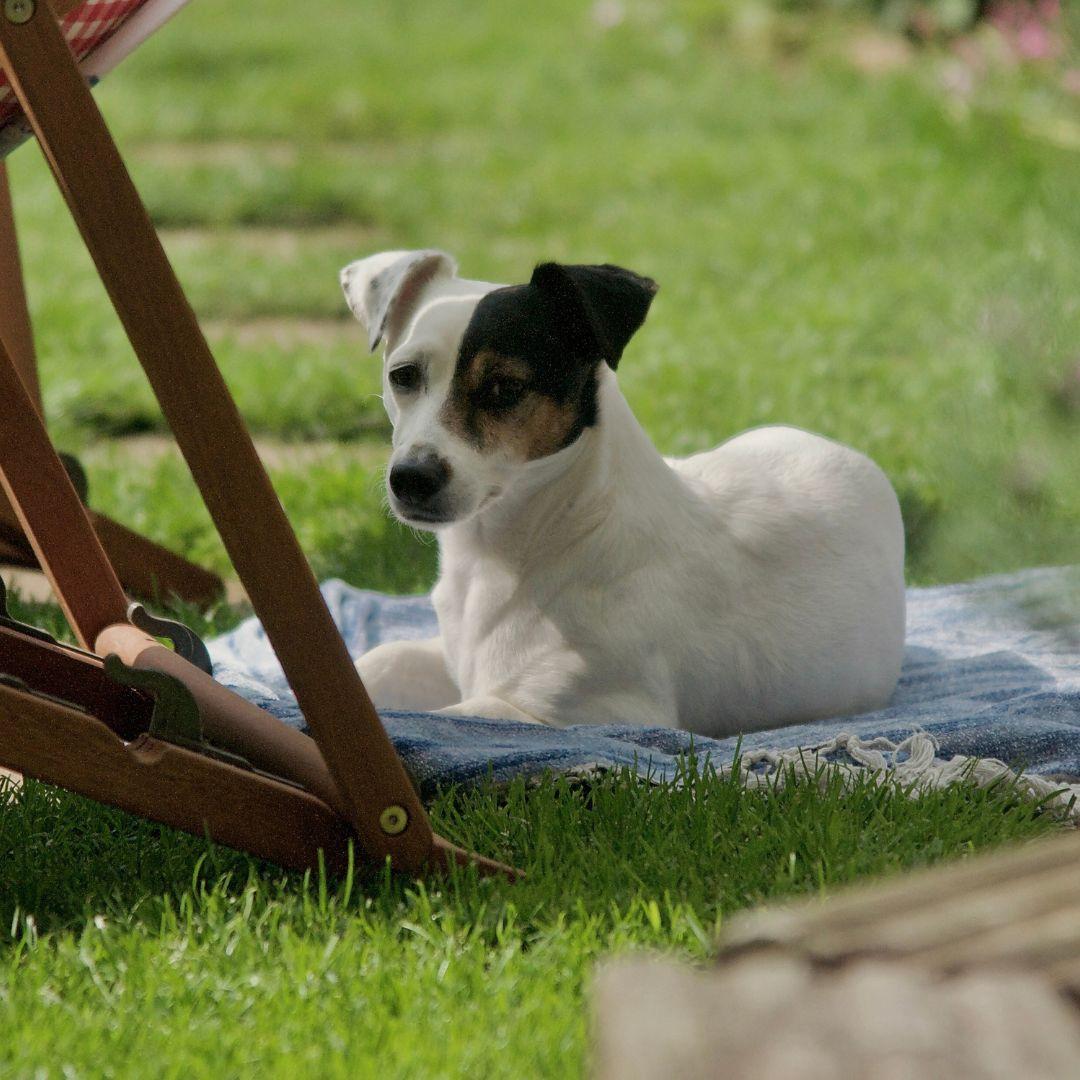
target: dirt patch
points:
(143, 450)
(282, 243)
(283, 332)
(223, 153)
(227, 153)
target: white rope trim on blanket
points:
(921, 770)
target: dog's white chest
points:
(496, 631)
(769, 589)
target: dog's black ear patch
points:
(598, 308)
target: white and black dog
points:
(586, 579)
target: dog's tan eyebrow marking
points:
(486, 364)
(544, 430)
(461, 414)
(539, 426)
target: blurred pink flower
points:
(1032, 28)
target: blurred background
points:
(863, 215)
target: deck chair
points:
(121, 718)
(99, 34)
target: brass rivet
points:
(393, 820)
(19, 11)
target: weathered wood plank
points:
(970, 970)
(777, 1018)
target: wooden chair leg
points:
(15, 551)
(149, 570)
(145, 568)
(384, 809)
(15, 330)
(52, 517)
(162, 781)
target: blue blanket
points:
(992, 671)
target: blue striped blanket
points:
(991, 683)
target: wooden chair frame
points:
(113, 720)
(146, 569)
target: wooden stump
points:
(970, 970)
(777, 1018)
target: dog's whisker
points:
(377, 482)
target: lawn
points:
(871, 240)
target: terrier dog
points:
(583, 577)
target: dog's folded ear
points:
(600, 308)
(383, 290)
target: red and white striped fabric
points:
(85, 28)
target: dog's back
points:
(813, 547)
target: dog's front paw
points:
(490, 708)
(408, 676)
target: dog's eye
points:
(406, 377)
(502, 392)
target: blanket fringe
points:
(915, 766)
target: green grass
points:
(874, 256)
(129, 948)
(874, 252)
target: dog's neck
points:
(607, 486)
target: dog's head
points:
(481, 380)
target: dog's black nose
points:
(416, 480)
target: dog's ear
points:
(382, 290)
(600, 308)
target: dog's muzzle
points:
(418, 483)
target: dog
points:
(583, 577)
